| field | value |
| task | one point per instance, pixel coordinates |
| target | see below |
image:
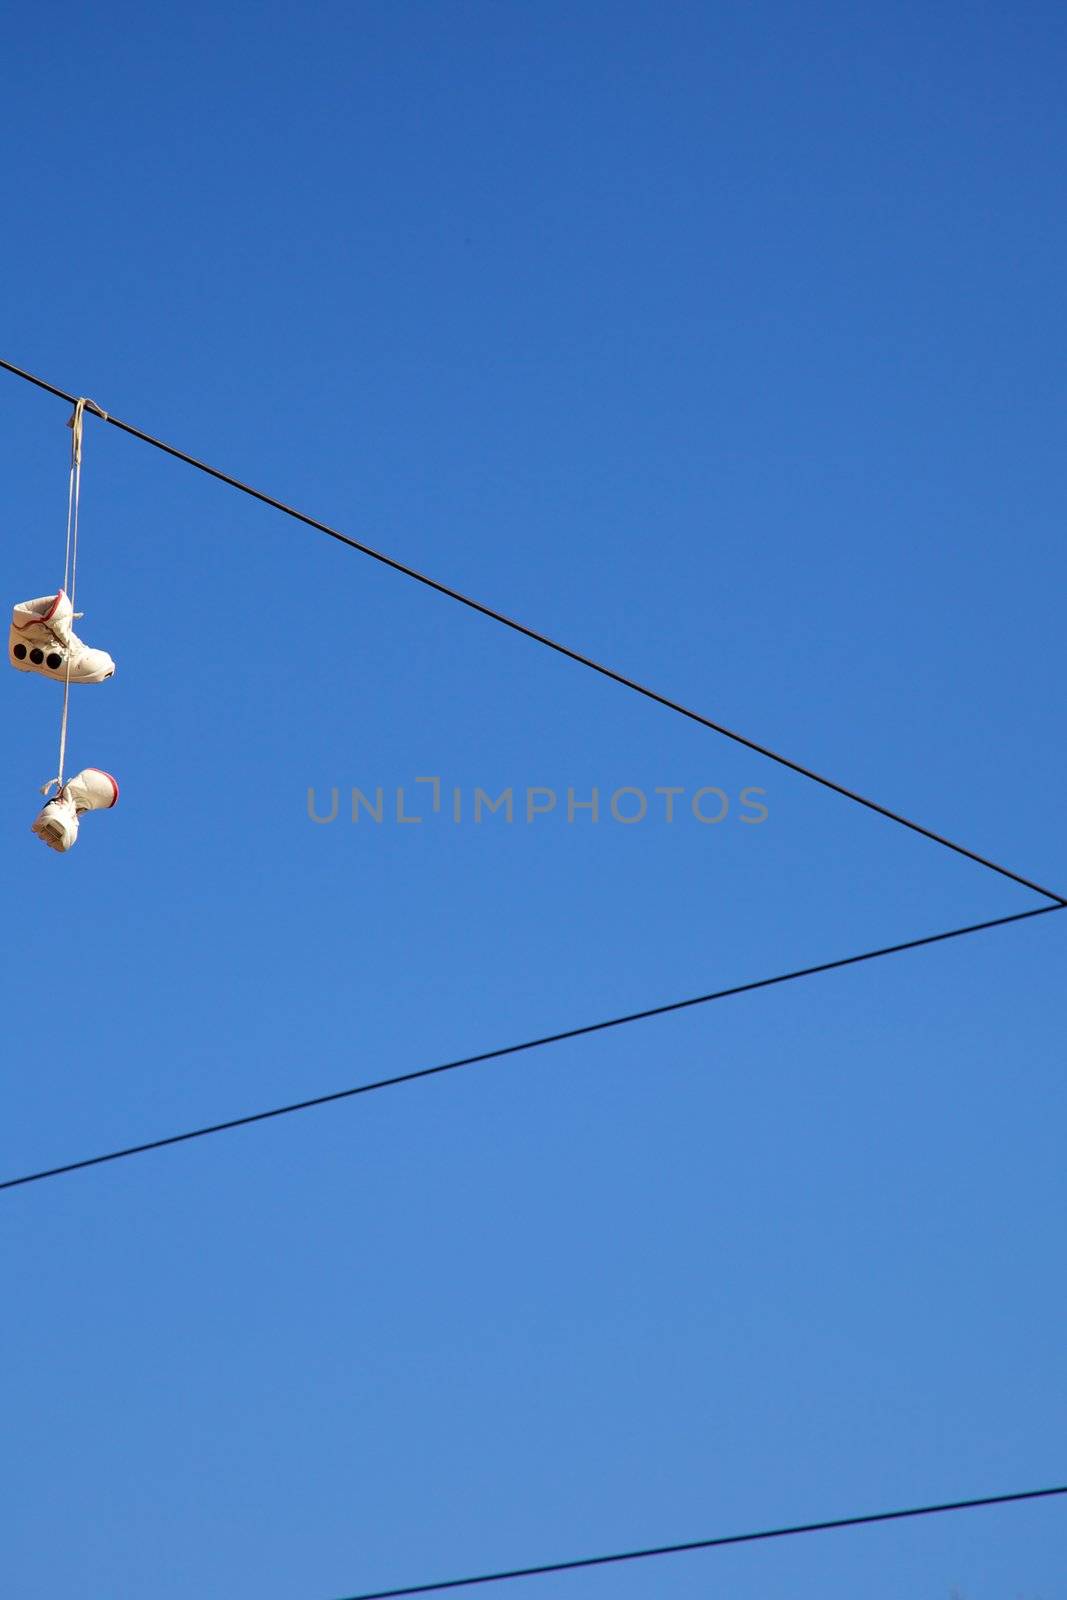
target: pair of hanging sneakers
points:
(42, 640)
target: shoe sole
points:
(57, 677)
(52, 836)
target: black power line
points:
(542, 638)
(517, 1049)
(713, 1544)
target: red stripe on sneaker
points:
(30, 621)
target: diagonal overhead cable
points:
(829, 1526)
(512, 1050)
(543, 639)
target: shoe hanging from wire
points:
(42, 640)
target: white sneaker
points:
(91, 790)
(41, 639)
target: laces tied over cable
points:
(76, 423)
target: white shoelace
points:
(70, 565)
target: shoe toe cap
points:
(95, 666)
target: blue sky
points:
(725, 343)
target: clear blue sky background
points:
(727, 343)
